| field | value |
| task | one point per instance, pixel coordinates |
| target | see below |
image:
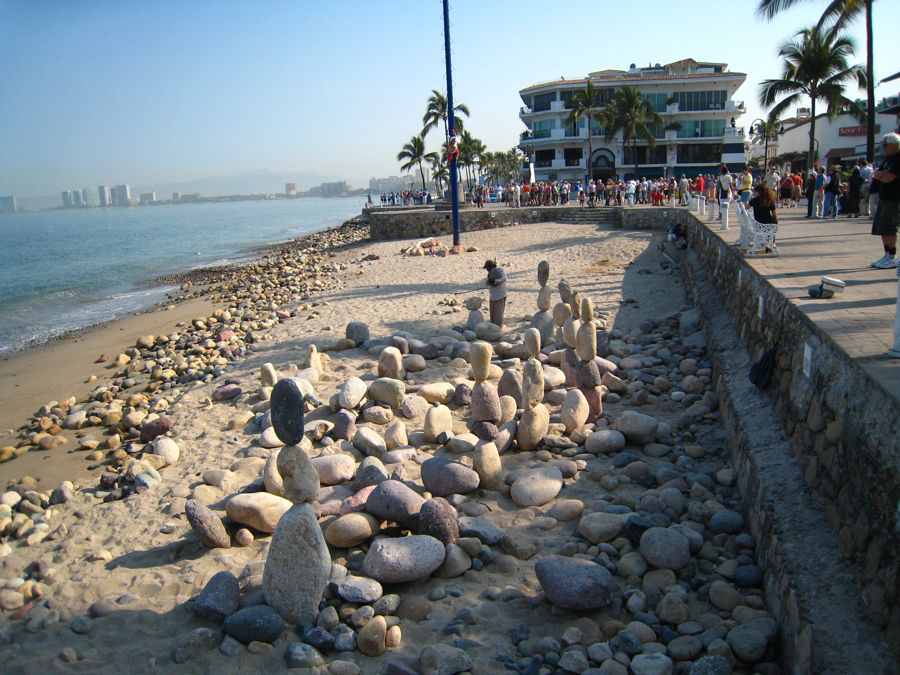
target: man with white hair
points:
(887, 216)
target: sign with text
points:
(856, 131)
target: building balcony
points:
(734, 106)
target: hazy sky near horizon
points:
(105, 91)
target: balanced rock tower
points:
(543, 319)
(485, 410)
(535, 421)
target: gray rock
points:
(344, 425)
(206, 525)
(637, 427)
(488, 331)
(445, 477)
(393, 500)
(371, 471)
(397, 561)
(194, 643)
(360, 590)
(300, 655)
(259, 623)
(351, 393)
(484, 530)
(748, 642)
(220, 597)
(357, 331)
(438, 519)
(369, 441)
(536, 486)
(299, 479)
(711, 665)
(334, 469)
(574, 583)
(665, 548)
(388, 391)
(485, 405)
(726, 521)
(652, 664)
(437, 659)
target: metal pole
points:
(895, 350)
(451, 125)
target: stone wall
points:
(420, 224)
(841, 424)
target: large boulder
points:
(638, 428)
(575, 583)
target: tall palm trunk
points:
(422, 172)
(634, 150)
(590, 157)
(812, 130)
(870, 86)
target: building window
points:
(702, 129)
(572, 156)
(646, 154)
(544, 158)
(699, 153)
(541, 128)
(702, 100)
(542, 102)
(658, 101)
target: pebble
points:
(537, 486)
(573, 583)
(259, 510)
(443, 477)
(438, 659)
(665, 548)
(396, 561)
(438, 519)
(359, 590)
(195, 643)
(371, 638)
(392, 500)
(219, 598)
(206, 525)
(351, 529)
(300, 655)
(259, 623)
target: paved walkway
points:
(861, 319)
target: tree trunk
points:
(422, 172)
(634, 150)
(870, 86)
(590, 157)
(812, 130)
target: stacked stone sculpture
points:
(543, 319)
(535, 421)
(485, 408)
(298, 564)
(476, 316)
(587, 373)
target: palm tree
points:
(842, 12)
(633, 115)
(436, 111)
(471, 150)
(815, 66)
(586, 104)
(439, 171)
(414, 154)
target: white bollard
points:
(895, 350)
(723, 209)
(711, 208)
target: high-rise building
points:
(8, 204)
(121, 195)
(290, 189)
(77, 198)
(698, 131)
(103, 193)
(67, 200)
(88, 197)
(147, 198)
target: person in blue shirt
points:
(820, 192)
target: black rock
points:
(462, 395)
(749, 576)
(635, 526)
(220, 597)
(287, 411)
(260, 623)
(319, 638)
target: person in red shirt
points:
(701, 184)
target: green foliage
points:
(631, 114)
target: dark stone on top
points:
(287, 411)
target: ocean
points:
(70, 269)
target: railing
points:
(543, 133)
(524, 111)
(544, 163)
(574, 162)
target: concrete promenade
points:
(861, 319)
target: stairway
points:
(607, 216)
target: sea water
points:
(68, 269)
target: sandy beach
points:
(102, 581)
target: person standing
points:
(832, 192)
(820, 192)
(854, 193)
(865, 172)
(810, 193)
(745, 186)
(724, 185)
(496, 283)
(887, 216)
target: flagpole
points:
(451, 125)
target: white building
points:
(695, 95)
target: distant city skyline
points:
(224, 91)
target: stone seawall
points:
(423, 223)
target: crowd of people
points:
(404, 198)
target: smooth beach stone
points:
(395, 435)
(542, 321)
(615, 384)
(748, 642)
(506, 434)
(352, 392)
(473, 302)
(371, 638)
(531, 337)
(390, 364)
(344, 425)
(637, 427)
(511, 385)
(299, 479)
(297, 567)
(488, 331)
(357, 331)
(438, 519)
(194, 643)
(414, 363)
(397, 561)
(334, 469)
(287, 411)
(586, 342)
(259, 623)
(711, 665)
(351, 529)
(476, 316)
(271, 477)
(166, 448)
(393, 500)
(486, 462)
(553, 377)
(574, 583)
(726, 521)
(601, 527)
(371, 471)
(532, 384)
(388, 391)
(462, 443)
(724, 596)
(480, 359)
(561, 313)
(508, 409)
(360, 590)
(587, 310)
(587, 374)
(545, 299)
(369, 441)
(378, 414)
(566, 509)
(269, 439)
(543, 273)
(536, 487)
(605, 441)
(456, 563)
(206, 525)
(356, 503)
(437, 392)
(532, 428)
(485, 405)
(219, 599)
(574, 410)
(652, 664)
(438, 420)
(268, 376)
(565, 290)
(570, 331)
(259, 510)
(665, 548)
(444, 477)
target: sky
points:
(106, 91)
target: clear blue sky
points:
(106, 91)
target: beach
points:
(112, 572)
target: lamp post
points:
(451, 126)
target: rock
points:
(166, 448)
(259, 623)
(444, 477)
(488, 331)
(574, 410)
(505, 435)
(485, 406)
(392, 500)
(456, 563)
(206, 525)
(652, 664)
(357, 332)
(438, 519)
(536, 486)
(723, 596)
(369, 441)
(300, 655)
(726, 521)
(531, 337)
(511, 385)
(358, 590)
(268, 376)
(665, 548)
(711, 665)
(414, 363)
(397, 561)
(269, 439)
(480, 359)
(605, 441)
(371, 637)
(685, 648)
(334, 469)
(542, 321)
(532, 384)
(637, 427)
(387, 391)
(299, 478)
(486, 462)
(532, 427)
(378, 414)
(287, 411)
(462, 443)
(395, 435)
(351, 529)
(297, 567)
(473, 302)
(566, 509)
(195, 643)
(438, 420)
(413, 406)
(747, 642)
(484, 530)
(438, 659)
(586, 341)
(601, 527)
(219, 599)
(351, 393)
(271, 477)
(371, 471)
(436, 393)
(344, 425)
(390, 364)
(259, 510)
(574, 583)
